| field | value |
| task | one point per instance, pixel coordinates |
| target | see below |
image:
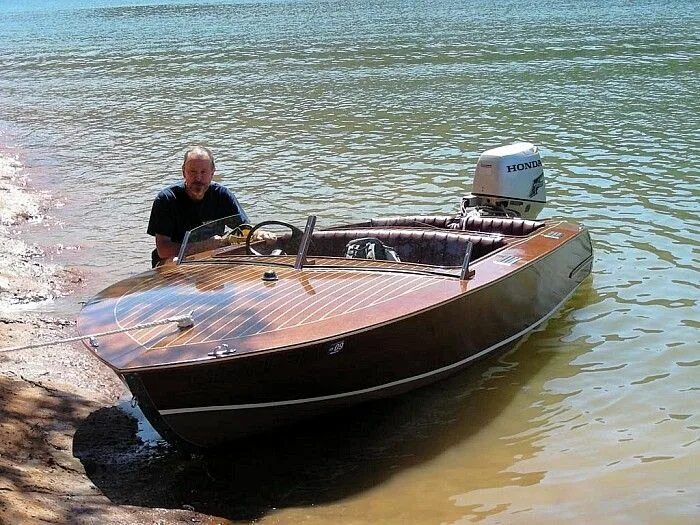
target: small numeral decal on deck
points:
(336, 347)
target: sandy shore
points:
(58, 419)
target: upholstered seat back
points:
(502, 225)
(433, 247)
(414, 221)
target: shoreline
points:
(49, 395)
(25, 280)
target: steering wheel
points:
(293, 242)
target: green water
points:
(353, 109)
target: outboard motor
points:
(508, 182)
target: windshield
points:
(213, 235)
(228, 236)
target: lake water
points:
(353, 109)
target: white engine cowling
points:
(508, 180)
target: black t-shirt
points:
(174, 213)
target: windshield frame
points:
(198, 234)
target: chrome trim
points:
(466, 273)
(181, 253)
(305, 242)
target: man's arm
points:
(162, 226)
(166, 248)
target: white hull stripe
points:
(175, 411)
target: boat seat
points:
(502, 225)
(441, 248)
(436, 221)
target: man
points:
(189, 203)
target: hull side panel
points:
(216, 401)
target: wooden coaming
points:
(327, 299)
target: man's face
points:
(198, 173)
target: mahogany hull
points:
(208, 403)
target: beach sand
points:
(50, 394)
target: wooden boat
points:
(281, 336)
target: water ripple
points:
(353, 109)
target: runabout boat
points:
(280, 330)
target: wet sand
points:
(50, 395)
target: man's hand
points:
(262, 235)
(234, 238)
(219, 241)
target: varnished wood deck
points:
(228, 304)
(231, 303)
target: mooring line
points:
(183, 321)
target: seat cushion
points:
(423, 246)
